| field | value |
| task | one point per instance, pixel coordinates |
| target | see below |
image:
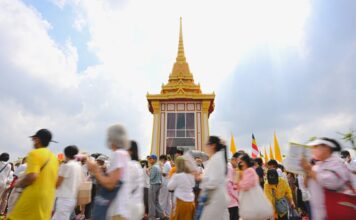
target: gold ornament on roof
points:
(181, 83)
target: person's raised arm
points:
(108, 181)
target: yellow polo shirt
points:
(37, 200)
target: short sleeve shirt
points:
(120, 160)
(19, 170)
(72, 178)
(166, 167)
(37, 200)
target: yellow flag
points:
(271, 157)
(277, 151)
(266, 156)
(232, 145)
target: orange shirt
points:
(172, 171)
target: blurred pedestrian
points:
(136, 183)
(279, 193)
(350, 164)
(248, 178)
(329, 174)
(154, 208)
(260, 172)
(144, 165)
(39, 183)
(165, 197)
(15, 192)
(115, 181)
(182, 183)
(253, 204)
(231, 186)
(273, 164)
(69, 179)
(5, 175)
(200, 171)
(173, 170)
(303, 200)
(213, 183)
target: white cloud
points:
(326, 124)
(27, 46)
(51, 93)
(144, 33)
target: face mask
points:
(272, 179)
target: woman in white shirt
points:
(69, 179)
(136, 183)
(182, 182)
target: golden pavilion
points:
(181, 111)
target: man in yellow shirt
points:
(37, 199)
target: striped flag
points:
(255, 150)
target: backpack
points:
(282, 205)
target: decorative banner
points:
(254, 146)
(271, 156)
(277, 150)
(266, 155)
(294, 156)
(232, 145)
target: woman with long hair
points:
(214, 198)
(136, 182)
(248, 177)
(253, 204)
(182, 183)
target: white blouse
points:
(214, 173)
(182, 184)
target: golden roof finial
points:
(181, 56)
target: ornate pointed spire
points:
(181, 85)
(181, 79)
(180, 55)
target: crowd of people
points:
(177, 187)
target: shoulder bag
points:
(340, 205)
(103, 200)
(254, 204)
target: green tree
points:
(349, 137)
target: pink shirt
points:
(231, 186)
(249, 179)
(326, 178)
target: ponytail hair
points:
(219, 146)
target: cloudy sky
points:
(77, 67)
